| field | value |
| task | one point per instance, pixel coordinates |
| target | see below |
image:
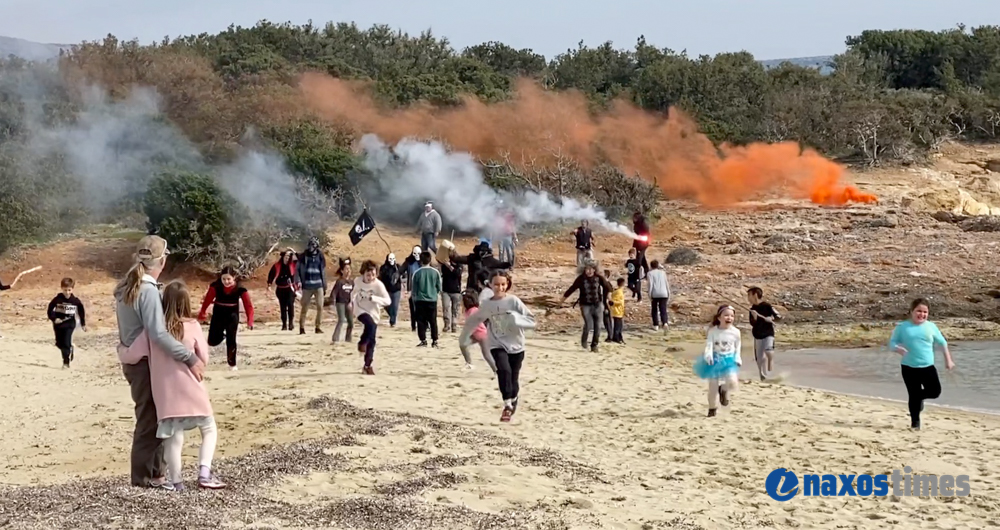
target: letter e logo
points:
(778, 491)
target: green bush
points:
(191, 212)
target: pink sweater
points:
(479, 335)
(176, 393)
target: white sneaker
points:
(656, 328)
(468, 366)
(233, 368)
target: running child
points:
(369, 297)
(618, 312)
(342, 299)
(470, 303)
(507, 317)
(721, 360)
(63, 311)
(226, 294)
(914, 339)
(762, 319)
(182, 402)
(634, 267)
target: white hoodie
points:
(369, 298)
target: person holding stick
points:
(17, 279)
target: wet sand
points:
(618, 439)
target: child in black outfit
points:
(225, 295)
(634, 267)
(63, 311)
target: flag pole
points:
(379, 234)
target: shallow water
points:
(973, 385)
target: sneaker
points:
(211, 482)
(423, 344)
(302, 331)
(319, 331)
(65, 366)
(368, 370)
(468, 366)
(723, 397)
(593, 348)
(178, 486)
(915, 426)
(434, 344)
(233, 368)
(506, 414)
(284, 327)
(763, 378)
(656, 328)
(164, 485)
(711, 413)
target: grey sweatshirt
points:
(508, 318)
(429, 222)
(147, 314)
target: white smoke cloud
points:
(115, 148)
(414, 171)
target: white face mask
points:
(416, 252)
(392, 259)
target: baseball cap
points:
(151, 247)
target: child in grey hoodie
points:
(508, 317)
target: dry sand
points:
(617, 439)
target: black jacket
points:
(451, 277)
(61, 307)
(480, 261)
(391, 276)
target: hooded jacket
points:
(480, 261)
(391, 276)
(410, 267)
(312, 267)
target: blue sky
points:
(770, 29)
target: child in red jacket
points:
(226, 294)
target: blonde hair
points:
(176, 307)
(146, 259)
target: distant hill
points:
(820, 61)
(31, 51)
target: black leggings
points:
(224, 325)
(921, 384)
(367, 341)
(508, 368)
(286, 301)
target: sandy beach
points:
(618, 439)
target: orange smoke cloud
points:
(538, 126)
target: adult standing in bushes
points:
(429, 227)
(138, 308)
(286, 283)
(312, 277)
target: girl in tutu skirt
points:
(721, 362)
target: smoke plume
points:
(538, 127)
(115, 148)
(414, 171)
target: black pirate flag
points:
(361, 227)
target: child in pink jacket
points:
(470, 302)
(181, 400)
